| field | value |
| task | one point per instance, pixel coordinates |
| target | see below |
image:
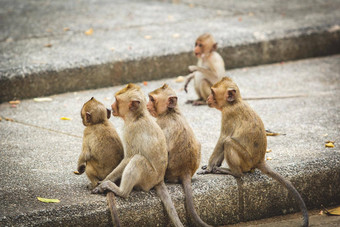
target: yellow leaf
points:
(179, 79)
(76, 172)
(14, 102)
(42, 99)
(48, 45)
(269, 158)
(65, 118)
(89, 32)
(332, 212)
(44, 200)
(9, 119)
(329, 145)
(268, 151)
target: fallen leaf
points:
(66, 29)
(270, 133)
(269, 158)
(145, 83)
(42, 99)
(329, 141)
(332, 212)
(76, 172)
(179, 79)
(147, 37)
(9, 119)
(0, 118)
(44, 200)
(89, 32)
(48, 45)
(65, 118)
(14, 102)
(329, 145)
(268, 151)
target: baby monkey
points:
(145, 153)
(183, 148)
(209, 69)
(102, 149)
(242, 142)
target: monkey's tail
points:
(110, 196)
(189, 201)
(269, 172)
(163, 193)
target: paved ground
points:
(44, 49)
(39, 153)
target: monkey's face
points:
(152, 106)
(118, 108)
(199, 49)
(216, 99)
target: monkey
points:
(209, 69)
(145, 152)
(242, 142)
(102, 149)
(183, 148)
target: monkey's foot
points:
(199, 103)
(224, 171)
(205, 170)
(189, 101)
(100, 188)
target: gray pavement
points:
(39, 153)
(44, 49)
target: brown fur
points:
(183, 148)
(243, 140)
(145, 155)
(209, 69)
(102, 148)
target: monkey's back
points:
(106, 149)
(183, 148)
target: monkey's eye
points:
(151, 99)
(200, 45)
(196, 44)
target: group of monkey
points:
(166, 149)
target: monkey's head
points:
(94, 112)
(223, 94)
(161, 100)
(204, 45)
(130, 101)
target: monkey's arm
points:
(215, 159)
(83, 158)
(207, 72)
(189, 78)
(118, 171)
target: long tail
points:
(110, 196)
(189, 202)
(268, 171)
(163, 193)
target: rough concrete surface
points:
(39, 153)
(44, 49)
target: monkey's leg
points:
(91, 173)
(118, 171)
(204, 92)
(287, 184)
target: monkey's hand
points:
(102, 187)
(81, 169)
(192, 68)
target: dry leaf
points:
(268, 151)
(48, 45)
(145, 83)
(332, 212)
(9, 119)
(270, 133)
(269, 158)
(44, 200)
(66, 29)
(0, 118)
(42, 99)
(89, 32)
(76, 172)
(14, 102)
(179, 79)
(65, 118)
(330, 144)
(147, 37)
(330, 141)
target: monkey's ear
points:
(134, 104)
(165, 86)
(231, 95)
(108, 113)
(88, 117)
(172, 102)
(92, 98)
(214, 47)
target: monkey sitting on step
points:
(210, 68)
(183, 148)
(102, 149)
(242, 142)
(145, 152)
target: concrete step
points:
(39, 153)
(44, 49)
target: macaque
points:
(209, 70)
(145, 152)
(183, 148)
(242, 142)
(102, 148)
